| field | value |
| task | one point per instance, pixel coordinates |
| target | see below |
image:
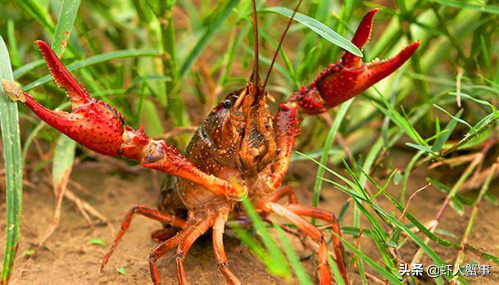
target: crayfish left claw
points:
(349, 76)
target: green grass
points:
(9, 122)
(166, 63)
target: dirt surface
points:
(70, 258)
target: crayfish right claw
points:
(350, 75)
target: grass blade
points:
(154, 126)
(38, 13)
(325, 154)
(217, 22)
(67, 16)
(319, 28)
(64, 153)
(278, 265)
(95, 60)
(9, 122)
(61, 169)
(65, 149)
(11, 38)
(444, 136)
(27, 68)
(464, 5)
(252, 244)
(294, 260)
(62, 161)
(371, 262)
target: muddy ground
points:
(70, 258)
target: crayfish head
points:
(241, 127)
(257, 147)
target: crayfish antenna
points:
(255, 76)
(280, 43)
(77, 94)
(361, 37)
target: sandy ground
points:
(70, 258)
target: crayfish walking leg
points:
(282, 192)
(184, 246)
(218, 246)
(328, 217)
(314, 233)
(146, 212)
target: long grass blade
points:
(210, 30)
(38, 13)
(95, 60)
(325, 152)
(64, 153)
(319, 28)
(9, 122)
(278, 265)
(65, 22)
(466, 5)
(372, 263)
(62, 162)
(294, 260)
(61, 169)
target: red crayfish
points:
(240, 150)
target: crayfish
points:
(240, 150)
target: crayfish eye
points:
(227, 104)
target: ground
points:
(70, 258)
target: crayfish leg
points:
(328, 217)
(197, 230)
(218, 247)
(313, 232)
(282, 192)
(163, 249)
(287, 126)
(146, 212)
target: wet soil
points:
(69, 257)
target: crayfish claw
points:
(349, 76)
(77, 94)
(91, 123)
(381, 68)
(361, 37)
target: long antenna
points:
(255, 76)
(280, 43)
